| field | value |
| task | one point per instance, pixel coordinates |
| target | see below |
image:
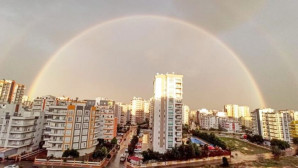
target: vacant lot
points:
(243, 147)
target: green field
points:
(289, 161)
(243, 147)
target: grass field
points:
(243, 147)
(289, 161)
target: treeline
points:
(183, 152)
(211, 138)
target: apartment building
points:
(11, 92)
(185, 115)
(107, 123)
(137, 110)
(72, 125)
(273, 124)
(41, 105)
(208, 121)
(146, 110)
(167, 122)
(20, 130)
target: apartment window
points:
(85, 125)
(77, 132)
(77, 126)
(69, 125)
(83, 145)
(86, 119)
(84, 138)
(75, 146)
(66, 147)
(78, 119)
(68, 132)
(87, 112)
(85, 131)
(69, 119)
(79, 112)
(67, 139)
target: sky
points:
(230, 52)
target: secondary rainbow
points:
(122, 19)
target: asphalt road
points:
(115, 161)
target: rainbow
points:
(123, 19)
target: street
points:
(115, 161)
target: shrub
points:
(282, 145)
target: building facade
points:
(72, 126)
(273, 124)
(167, 122)
(11, 92)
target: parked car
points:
(12, 166)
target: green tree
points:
(74, 153)
(114, 141)
(276, 151)
(225, 162)
(66, 153)
(282, 145)
(100, 153)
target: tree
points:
(114, 141)
(74, 153)
(66, 153)
(225, 162)
(71, 153)
(282, 145)
(276, 151)
(100, 153)
(295, 140)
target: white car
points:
(12, 166)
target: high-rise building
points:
(167, 124)
(241, 113)
(11, 92)
(185, 116)
(272, 124)
(137, 110)
(146, 110)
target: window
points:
(78, 119)
(83, 145)
(77, 126)
(79, 112)
(77, 132)
(85, 125)
(69, 119)
(85, 131)
(69, 125)
(66, 147)
(87, 112)
(84, 138)
(75, 146)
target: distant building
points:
(11, 92)
(185, 115)
(167, 119)
(273, 124)
(137, 110)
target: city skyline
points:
(241, 54)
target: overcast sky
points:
(119, 59)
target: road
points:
(115, 161)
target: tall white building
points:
(167, 124)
